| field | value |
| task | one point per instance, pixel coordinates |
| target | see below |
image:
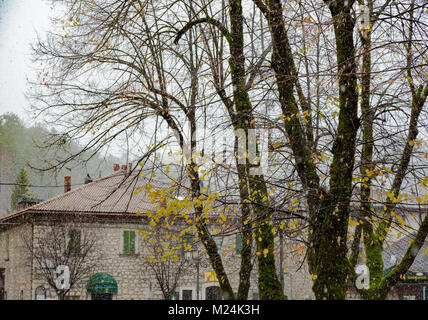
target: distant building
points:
(414, 284)
(108, 208)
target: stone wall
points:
(133, 276)
(17, 265)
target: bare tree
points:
(164, 254)
(304, 68)
(63, 255)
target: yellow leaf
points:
(352, 222)
(265, 252)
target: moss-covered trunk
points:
(373, 247)
(329, 211)
(268, 281)
(374, 236)
(328, 253)
(246, 230)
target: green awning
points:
(102, 283)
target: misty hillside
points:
(20, 148)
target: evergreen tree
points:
(20, 190)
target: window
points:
(213, 293)
(238, 243)
(219, 242)
(40, 293)
(74, 241)
(6, 247)
(186, 294)
(187, 241)
(128, 242)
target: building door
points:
(213, 293)
(186, 294)
(2, 281)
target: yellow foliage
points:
(353, 223)
(265, 252)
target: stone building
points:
(414, 284)
(109, 210)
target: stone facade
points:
(106, 209)
(134, 279)
(14, 260)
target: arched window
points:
(40, 293)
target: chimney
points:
(116, 167)
(88, 179)
(67, 184)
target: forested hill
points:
(19, 149)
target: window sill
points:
(129, 254)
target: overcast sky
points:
(19, 21)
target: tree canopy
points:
(338, 86)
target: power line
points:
(37, 186)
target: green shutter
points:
(128, 242)
(77, 237)
(74, 241)
(238, 243)
(131, 241)
(125, 242)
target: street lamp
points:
(195, 257)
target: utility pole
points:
(197, 279)
(281, 258)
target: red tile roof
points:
(117, 193)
